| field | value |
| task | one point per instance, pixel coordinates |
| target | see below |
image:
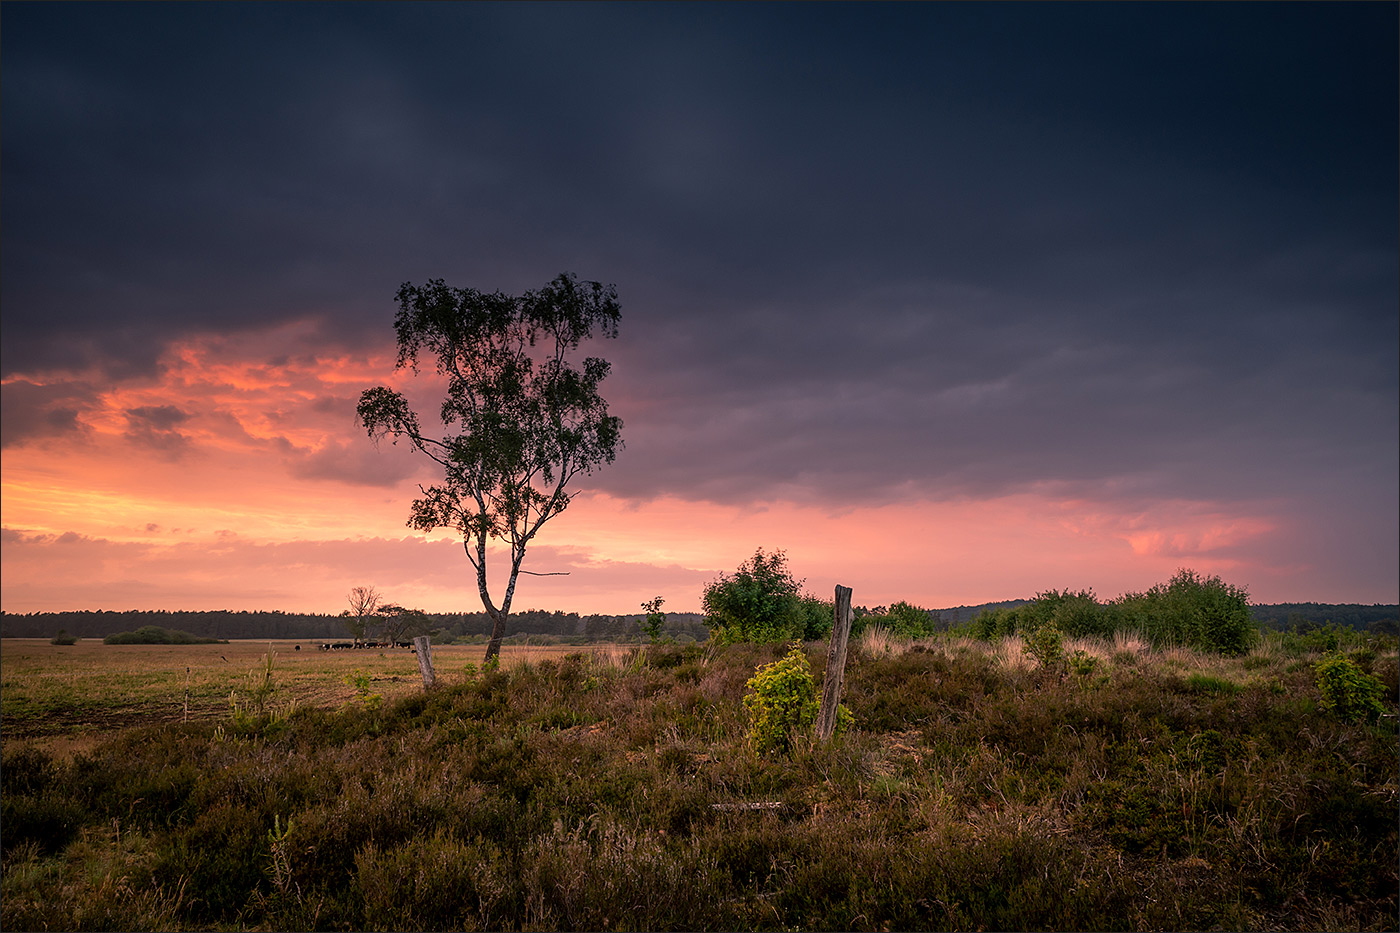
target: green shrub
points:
(994, 623)
(1201, 612)
(1326, 637)
(1348, 693)
(907, 620)
(1044, 643)
(362, 682)
(1082, 664)
(818, 616)
(155, 635)
(1074, 614)
(63, 638)
(758, 603)
(781, 702)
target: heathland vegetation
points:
(1022, 774)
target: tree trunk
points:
(499, 616)
(498, 631)
(835, 665)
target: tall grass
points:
(615, 790)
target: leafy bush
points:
(818, 616)
(781, 702)
(155, 635)
(1082, 664)
(1045, 644)
(758, 603)
(372, 701)
(63, 638)
(994, 623)
(1348, 693)
(1074, 614)
(1190, 610)
(905, 620)
(1321, 639)
(1201, 612)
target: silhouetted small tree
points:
(519, 420)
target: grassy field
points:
(66, 697)
(618, 789)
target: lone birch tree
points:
(519, 421)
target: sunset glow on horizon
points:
(996, 300)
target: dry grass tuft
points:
(1129, 643)
(1009, 653)
(613, 659)
(1099, 649)
(876, 641)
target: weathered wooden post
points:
(424, 648)
(835, 664)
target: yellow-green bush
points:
(782, 703)
(1348, 693)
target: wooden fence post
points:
(835, 664)
(424, 648)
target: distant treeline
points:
(226, 623)
(1304, 616)
(960, 614)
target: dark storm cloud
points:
(157, 427)
(30, 411)
(863, 250)
(354, 463)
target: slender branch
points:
(419, 442)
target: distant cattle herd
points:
(340, 645)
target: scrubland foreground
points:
(1133, 790)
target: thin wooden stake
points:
(835, 664)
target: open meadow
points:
(620, 788)
(65, 697)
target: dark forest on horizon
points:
(253, 624)
(567, 626)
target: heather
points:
(976, 788)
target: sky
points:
(951, 303)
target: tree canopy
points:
(520, 418)
(762, 601)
